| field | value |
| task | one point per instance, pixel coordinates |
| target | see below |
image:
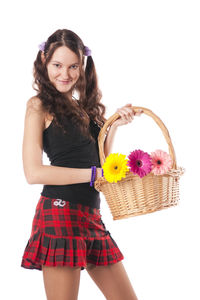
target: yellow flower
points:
(115, 167)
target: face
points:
(64, 70)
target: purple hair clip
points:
(42, 46)
(87, 51)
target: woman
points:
(68, 233)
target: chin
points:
(63, 90)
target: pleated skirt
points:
(68, 234)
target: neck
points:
(69, 95)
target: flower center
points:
(115, 167)
(159, 162)
(139, 163)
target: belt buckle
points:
(59, 202)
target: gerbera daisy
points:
(139, 162)
(161, 162)
(115, 167)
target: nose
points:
(65, 73)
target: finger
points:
(128, 118)
(130, 112)
(139, 112)
(126, 112)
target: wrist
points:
(113, 125)
(95, 175)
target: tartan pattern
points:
(65, 233)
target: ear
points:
(42, 57)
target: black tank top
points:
(73, 150)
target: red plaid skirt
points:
(68, 234)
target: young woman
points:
(68, 233)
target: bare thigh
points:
(61, 282)
(113, 281)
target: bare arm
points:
(34, 170)
(108, 144)
(126, 115)
(54, 175)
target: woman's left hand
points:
(127, 115)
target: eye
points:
(56, 65)
(74, 66)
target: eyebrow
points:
(54, 61)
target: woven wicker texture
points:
(132, 195)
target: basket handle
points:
(102, 133)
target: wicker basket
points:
(132, 195)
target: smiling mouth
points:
(64, 81)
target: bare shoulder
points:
(34, 107)
(35, 115)
(35, 104)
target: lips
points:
(65, 81)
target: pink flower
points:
(139, 162)
(161, 162)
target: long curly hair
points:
(56, 103)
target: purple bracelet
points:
(93, 175)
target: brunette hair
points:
(56, 103)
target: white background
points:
(146, 53)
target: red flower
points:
(139, 162)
